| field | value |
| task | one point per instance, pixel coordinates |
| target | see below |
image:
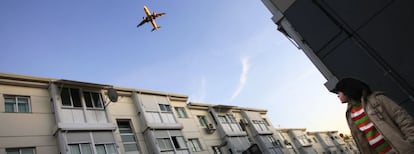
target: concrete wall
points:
(33, 129)
(209, 139)
(125, 109)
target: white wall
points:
(32, 129)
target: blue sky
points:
(219, 52)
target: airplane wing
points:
(143, 22)
(157, 15)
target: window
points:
(279, 143)
(181, 112)
(303, 140)
(84, 148)
(179, 142)
(165, 144)
(202, 120)
(105, 149)
(165, 107)
(17, 103)
(195, 145)
(273, 141)
(260, 125)
(266, 122)
(93, 99)
(328, 141)
(20, 151)
(127, 135)
(229, 123)
(222, 119)
(232, 118)
(216, 150)
(71, 97)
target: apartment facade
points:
(318, 142)
(54, 116)
(27, 119)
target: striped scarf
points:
(364, 124)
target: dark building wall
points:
(369, 40)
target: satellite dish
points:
(113, 95)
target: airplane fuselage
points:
(150, 16)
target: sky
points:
(216, 52)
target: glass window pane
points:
(23, 100)
(110, 149)
(161, 143)
(23, 107)
(12, 151)
(195, 144)
(122, 131)
(202, 120)
(222, 119)
(127, 135)
(130, 147)
(97, 100)
(23, 104)
(181, 142)
(128, 138)
(164, 143)
(168, 107)
(65, 97)
(27, 151)
(86, 149)
(100, 149)
(168, 144)
(164, 107)
(76, 97)
(9, 107)
(216, 150)
(175, 142)
(88, 99)
(74, 149)
(181, 112)
(10, 100)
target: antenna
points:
(113, 95)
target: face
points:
(342, 97)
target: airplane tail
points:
(155, 28)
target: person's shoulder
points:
(380, 96)
(377, 95)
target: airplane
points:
(150, 18)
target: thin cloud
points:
(243, 77)
(203, 89)
(201, 94)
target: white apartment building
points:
(55, 116)
(318, 142)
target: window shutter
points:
(103, 137)
(78, 137)
(148, 102)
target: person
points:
(377, 123)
